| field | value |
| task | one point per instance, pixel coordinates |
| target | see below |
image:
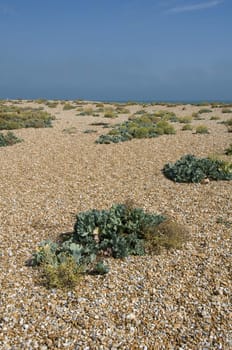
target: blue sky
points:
(116, 49)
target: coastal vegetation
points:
(118, 232)
(14, 117)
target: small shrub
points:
(140, 127)
(140, 112)
(110, 115)
(88, 111)
(192, 169)
(166, 115)
(214, 117)
(89, 131)
(228, 150)
(109, 112)
(205, 110)
(122, 110)
(40, 100)
(187, 127)
(100, 124)
(196, 116)
(169, 235)
(8, 139)
(185, 120)
(51, 104)
(199, 104)
(68, 106)
(202, 129)
(65, 275)
(14, 117)
(228, 124)
(163, 127)
(226, 110)
(70, 130)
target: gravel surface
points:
(177, 300)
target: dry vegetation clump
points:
(70, 130)
(122, 110)
(52, 104)
(187, 127)
(65, 275)
(202, 129)
(169, 235)
(185, 120)
(41, 100)
(110, 112)
(68, 106)
(86, 111)
(100, 105)
(196, 116)
(228, 124)
(214, 117)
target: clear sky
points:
(116, 49)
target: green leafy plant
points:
(192, 169)
(118, 232)
(122, 230)
(8, 139)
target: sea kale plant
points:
(8, 139)
(117, 232)
(145, 126)
(192, 169)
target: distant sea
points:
(107, 100)
(170, 101)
